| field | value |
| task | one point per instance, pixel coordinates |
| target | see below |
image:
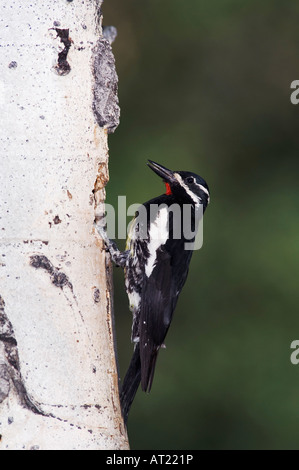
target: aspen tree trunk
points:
(58, 101)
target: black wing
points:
(159, 297)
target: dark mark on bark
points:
(44, 242)
(4, 382)
(105, 91)
(63, 67)
(96, 295)
(57, 220)
(10, 372)
(58, 278)
(13, 64)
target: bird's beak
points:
(164, 173)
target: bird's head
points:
(186, 187)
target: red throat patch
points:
(168, 189)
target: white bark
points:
(58, 376)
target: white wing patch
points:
(158, 235)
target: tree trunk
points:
(58, 99)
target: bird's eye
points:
(190, 179)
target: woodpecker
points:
(156, 263)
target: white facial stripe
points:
(203, 189)
(195, 198)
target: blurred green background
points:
(205, 86)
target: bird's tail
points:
(131, 383)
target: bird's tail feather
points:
(130, 384)
(148, 370)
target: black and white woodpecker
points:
(156, 264)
